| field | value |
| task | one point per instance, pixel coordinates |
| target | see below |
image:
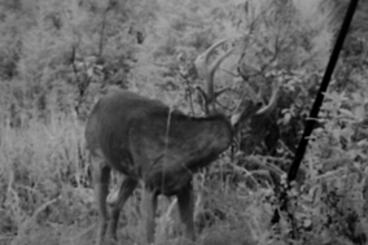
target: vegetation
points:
(58, 57)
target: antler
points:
(272, 102)
(207, 71)
(258, 107)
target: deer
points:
(149, 143)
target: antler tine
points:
(236, 114)
(272, 103)
(256, 97)
(239, 112)
(207, 70)
(217, 62)
(201, 62)
(252, 94)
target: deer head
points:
(147, 142)
(207, 71)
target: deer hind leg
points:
(186, 210)
(126, 188)
(149, 206)
(101, 180)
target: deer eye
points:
(258, 105)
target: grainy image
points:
(175, 122)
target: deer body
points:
(147, 142)
(144, 140)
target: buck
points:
(146, 141)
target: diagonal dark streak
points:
(324, 85)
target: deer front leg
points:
(126, 188)
(186, 210)
(101, 178)
(149, 205)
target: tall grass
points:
(42, 174)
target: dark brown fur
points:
(144, 140)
